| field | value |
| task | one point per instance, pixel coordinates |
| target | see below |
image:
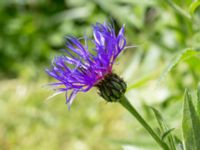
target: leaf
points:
(194, 6)
(164, 130)
(167, 133)
(179, 145)
(185, 54)
(190, 125)
(198, 100)
(143, 80)
(178, 9)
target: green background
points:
(165, 62)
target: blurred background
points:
(157, 71)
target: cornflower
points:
(83, 68)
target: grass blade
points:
(190, 125)
(164, 130)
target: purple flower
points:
(80, 69)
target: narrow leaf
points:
(143, 80)
(167, 133)
(179, 145)
(198, 100)
(190, 125)
(178, 9)
(183, 55)
(194, 6)
(164, 130)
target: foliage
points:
(190, 124)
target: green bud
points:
(111, 88)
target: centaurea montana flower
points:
(80, 69)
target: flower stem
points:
(124, 102)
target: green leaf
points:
(194, 6)
(164, 130)
(178, 9)
(179, 145)
(167, 133)
(198, 100)
(183, 55)
(143, 80)
(190, 125)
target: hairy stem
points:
(124, 102)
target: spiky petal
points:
(80, 69)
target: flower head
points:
(80, 69)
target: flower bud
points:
(112, 87)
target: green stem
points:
(134, 112)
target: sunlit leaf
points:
(142, 81)
(198, 100)
(190, 125)
(185, 54)
(178, 9)
(194, 6)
